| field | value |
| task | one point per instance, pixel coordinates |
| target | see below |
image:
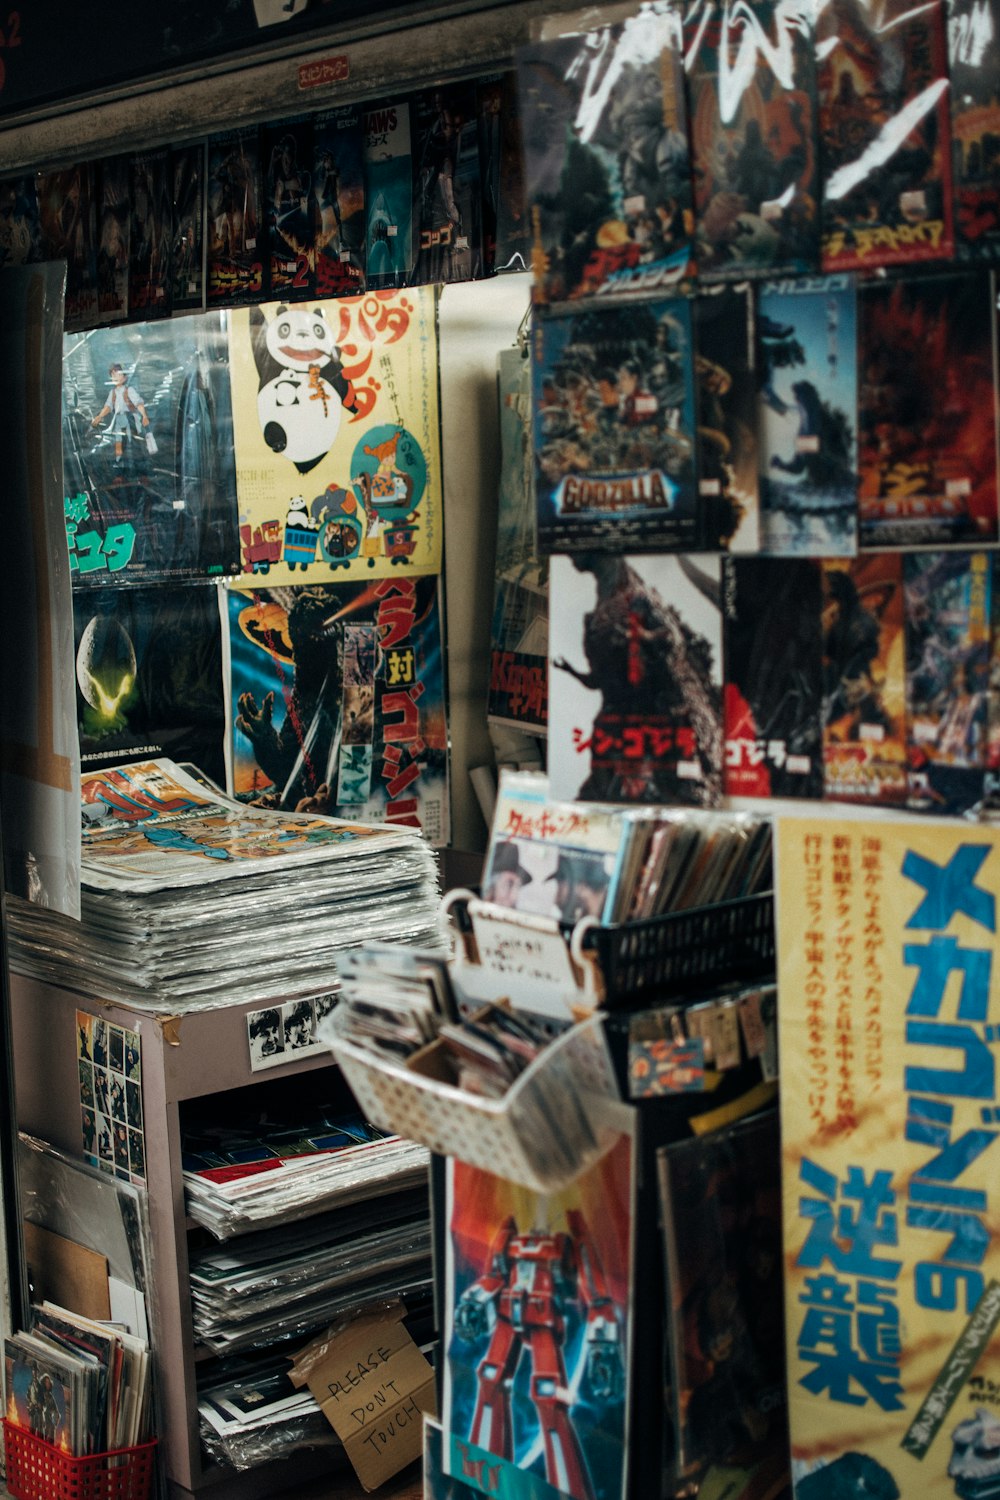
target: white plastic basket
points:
(544, 1132)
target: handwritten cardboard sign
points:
(373, 1385)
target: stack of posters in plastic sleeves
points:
(191, 899)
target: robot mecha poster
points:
(883, 109)
(607, 172)
(726, 377)
(927, 417)
(751, 79)
(974, 65)
(615, 429)
(235, 222)
(538, 1332)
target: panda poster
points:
(337, 437)
(336, 701)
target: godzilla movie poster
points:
(725, 367)
(149, 676)
(807, 347)
(614, 421)
(606, 163)
(235, 252)
(754, 149)
(338, 193)
(287, 172)
(882, 81)
(338, 443)
(948, 615)
(150, 489)
(447, 189)
(774, 677)
(337, 701)
(864, 680)
(635, 679)
(928, 416)
(538, 1331)
(974, 66)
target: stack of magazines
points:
(187, 898)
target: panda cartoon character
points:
(302, 383)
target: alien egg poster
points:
(150, 486)
(538, 1331)
(338, 458)
(336, 700)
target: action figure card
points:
(147, 453)
(725, 367)
(537, 1287)
(447, 193)
(388, 164)
(635, 679)
(948, 647)
(235, 220)
(149, 676)
(884, 123)
(187, 272)
(928, 415)
(152, 234)
(518, 693)
(974, 66)
(614, 424)
(20, 230)
(807, 353)
(114, 230)
(338, 446)
(864, 680)
(606, 161)
(287, 158)
(721, 1212)
(752, 91)
(67, 212)
(336, 701)
(774, 677)
(506, 228)
(338, 197)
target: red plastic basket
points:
(38, 1471)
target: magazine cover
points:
(607, 174)
(338, 464)
(807, 345)
(614, 422)
(149, 676)
(388, 167)
(337, 701)
(720, 1200)
(506, 228)
(948, 646)
(725, 367)
(752, 89)
(114, 229)
(773, 638)
(151, 235)
(447, 190)
(538, 1331)
(147, 443)
(67, 213)
(882, 79)
(974, 66)
(235, 232)
(20, 230)
(635, 679)
(187, 276)
(892, 1272)
(287, 162)
(338, 200)
(927, 418)
(864, 680)
(39, 1390)
(518, 693)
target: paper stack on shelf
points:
(187, 900)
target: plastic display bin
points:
(38, 1471)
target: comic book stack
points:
(187, 899)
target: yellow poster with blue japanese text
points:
(337, 437)
(889, 1032)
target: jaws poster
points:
(336, 422)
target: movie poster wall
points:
(887, 936)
